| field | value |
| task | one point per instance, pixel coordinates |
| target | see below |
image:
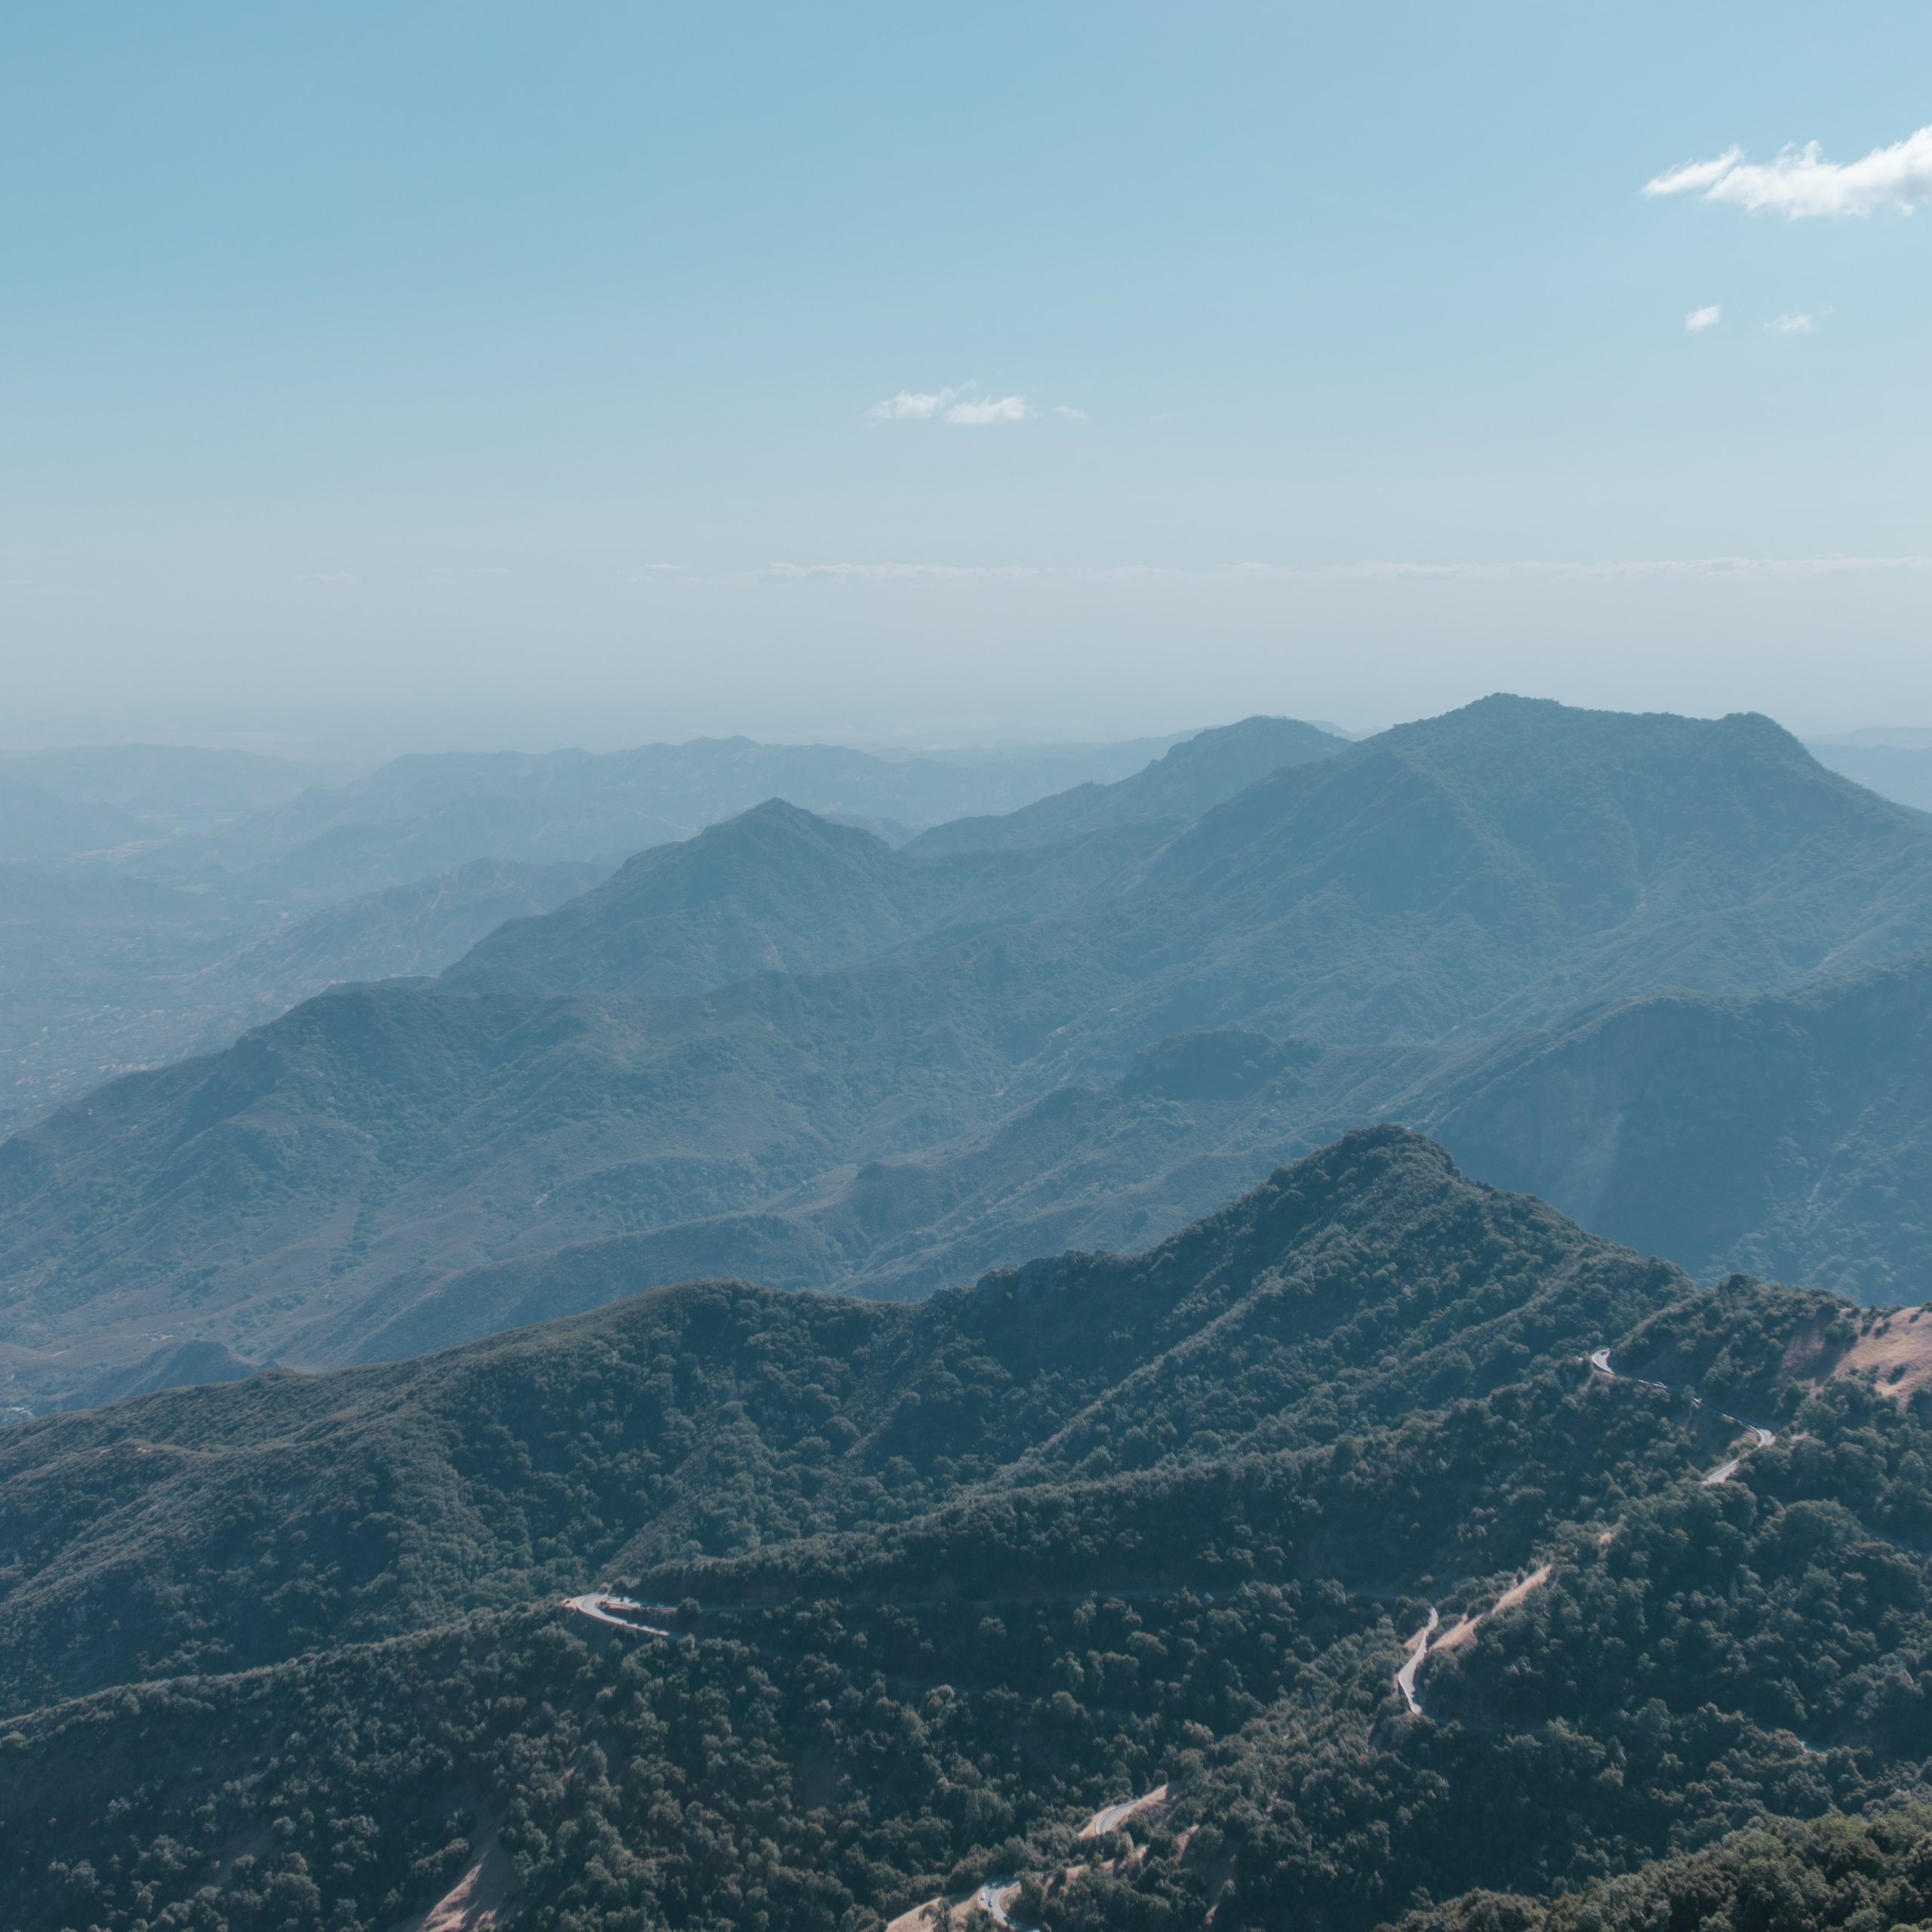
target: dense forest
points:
(943, 1581)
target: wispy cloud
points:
(1528, 569)
(986, 410)
(327, 576)
(1834, 563)
(911, 406)
(1800, 182)
(1793, 324)
(1701, 319)
(996, 573)
(964, 406)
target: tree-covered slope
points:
(954, 1577)
(1815, 1876)
(1361, 1284)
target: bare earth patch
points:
(1899, 1346)
(478, 1900)
(933, 1912)
(1464, 1632)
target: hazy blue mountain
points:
(167, 789)
(101, 973)
(779, 890)
(1198, 774)
(1789, 1136)
(427, 812)
(38, 824)
(1900, 772)
(1423, 892)
(1514, 860)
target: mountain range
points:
(787, 1050)
(428, 812)
(166, 897)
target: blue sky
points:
(363, 367)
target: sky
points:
(479, 374)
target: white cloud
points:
(1801, 183)
(1793, 324)
(964, 406)
(985, 410)
(1700, 319)
(911, 406)
(1694, 175)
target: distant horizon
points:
(373, 745)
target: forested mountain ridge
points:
(733, 1414)
(1838, 1872)
(963, 1572)
(1414, 894)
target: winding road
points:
(1762, 1437)
(1425, 1643)
(1405, 1678)
(602, 1607)
(996, 1895)
(1111, 1817)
